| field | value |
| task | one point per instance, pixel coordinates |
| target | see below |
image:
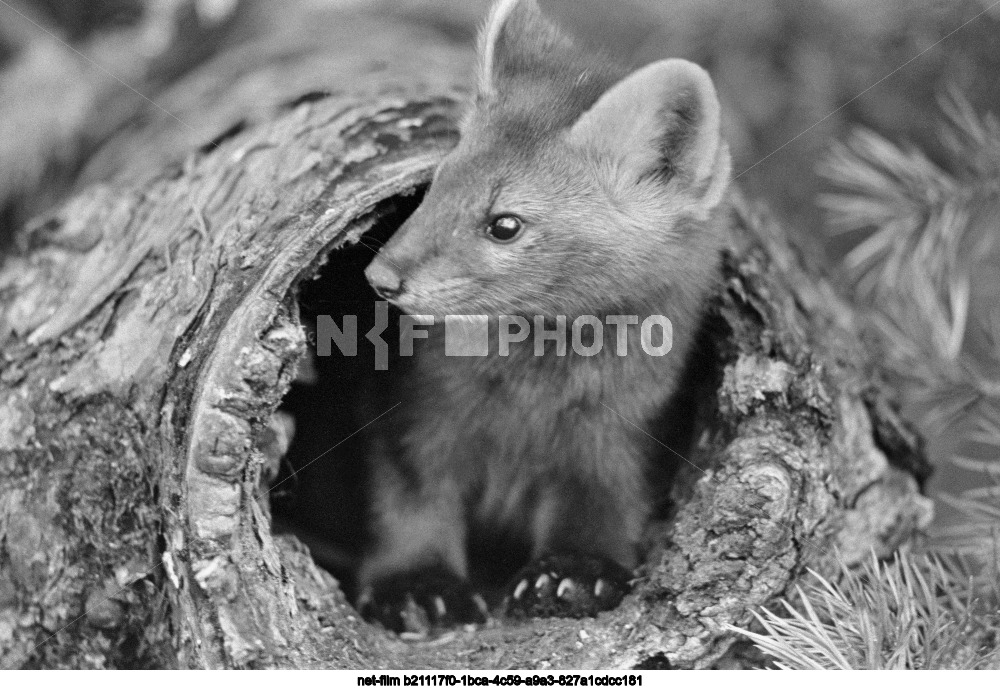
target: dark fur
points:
(552, 449)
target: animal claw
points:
(422, 602)
(568, 585)
(520, 589)
(364, 598)
(440, 607)
(565, 586)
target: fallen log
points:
(152, 324)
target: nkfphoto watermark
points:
(482, 335)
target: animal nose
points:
(384, 279)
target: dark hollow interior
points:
(320, 491)
(336, 406)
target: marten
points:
(578, 188)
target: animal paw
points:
(567, 585)
(419, 602)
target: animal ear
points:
(661, 121)
(516, 40)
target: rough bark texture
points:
(149, 328)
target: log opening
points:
(315, 475)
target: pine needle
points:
(927, 231)
(915, 612)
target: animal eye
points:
(504, 228)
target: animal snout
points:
(384, 278)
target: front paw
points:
(568, 585)
(418, 602)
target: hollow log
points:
(150, 327)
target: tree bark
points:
(150, 328)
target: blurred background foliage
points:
(867, 125)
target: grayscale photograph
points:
(499, 342)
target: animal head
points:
(576, 185)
